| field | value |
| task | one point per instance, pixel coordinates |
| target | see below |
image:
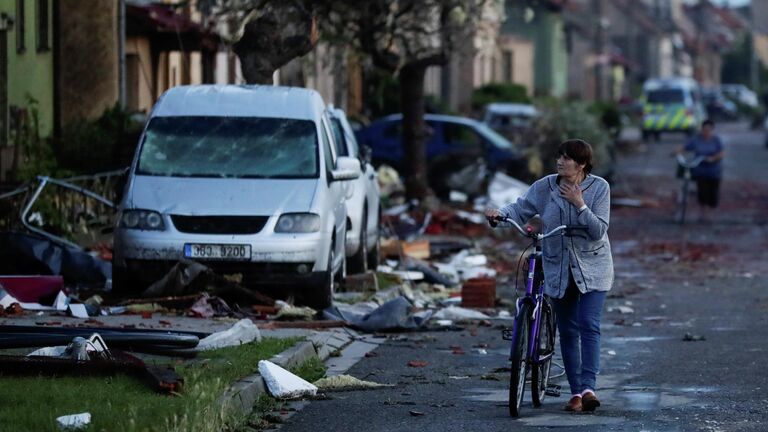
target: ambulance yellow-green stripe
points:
(656, 118)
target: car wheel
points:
(374, 253)
(124, 282)
(321, 296)
(358, 263)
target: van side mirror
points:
(347, 168)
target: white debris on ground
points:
(242, 332)
(74, 421)
(469, 266)
(287, 311)
(346, 383)
(455, 313)
(283, 384)
(504, 189)
(621, 309)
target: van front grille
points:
(219, 224)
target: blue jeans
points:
(578, 319)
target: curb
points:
(239, 398)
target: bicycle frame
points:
(535, 296)
(687, 166)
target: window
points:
(339, 138)
(454, 133)
(666, 96)
(20, 46)
(229, 147)
(330, 160)
(508, 72)
(132, 81)
(42, 25)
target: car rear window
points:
(229, 147)
(665, 96)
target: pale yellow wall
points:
(140, 46)
(522, 53)
(30, 73)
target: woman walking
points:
(578, 269)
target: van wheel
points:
(321, 296)
(358, 263)
(646, 136)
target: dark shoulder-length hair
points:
(578, 150)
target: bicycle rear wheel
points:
(546, 346)
(519, 358)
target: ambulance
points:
(671, 105)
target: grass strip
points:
(124, 403)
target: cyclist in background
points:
(578, 269)
(710, 171)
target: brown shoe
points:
(589, 402)
(573, 405)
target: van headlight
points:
(142, 220)
(298, 223)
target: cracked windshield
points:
(229, 147)
(383, 215)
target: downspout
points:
(121, 52)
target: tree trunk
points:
(272, 39)
(415, 133)
(255, 68)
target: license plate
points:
(230, 252)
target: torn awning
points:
(170, 30)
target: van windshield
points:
(666, 96)
(229, 147)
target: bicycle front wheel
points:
(519, 358)
(545, 346)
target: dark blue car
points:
(454, 143)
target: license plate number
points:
(231, 252)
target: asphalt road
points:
(704, 279)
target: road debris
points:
(479, 293)
(89, 357)
(417, 364)
(396, 314)
(346, 383)
(242, 332)
(455, 313)
(282, 384)
(74, 421)
(689, 337)
(621, 309)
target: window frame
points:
(21, 46)
(42, 32)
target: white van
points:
(244, 179)
(671, 105)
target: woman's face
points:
(568, 167)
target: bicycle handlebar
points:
(528, 231)
(693, 163)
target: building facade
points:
(26, 74)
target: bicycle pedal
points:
(552, 390)
(507, 334)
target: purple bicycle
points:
(533, 332)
